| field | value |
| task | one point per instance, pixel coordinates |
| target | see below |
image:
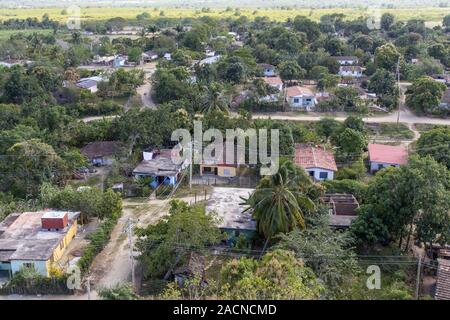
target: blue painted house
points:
(158, 164)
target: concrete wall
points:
(59, 250)
(317, 172)
(269, 72)
(222, 171)
(39, 265)
(302, 102)
(375, 166)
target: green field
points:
(428, 14)
(5, 34)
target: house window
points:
(380, 166)
(296, 100)
(28, 265)
(226, 172)
(323, 175)
(311, 173)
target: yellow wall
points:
(58, 252)
(231, 171)
(220, 170)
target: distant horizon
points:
(222, 4)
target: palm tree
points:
(152, 29)
(278, 203)
(214, 97)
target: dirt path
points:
(113, 265)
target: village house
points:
(346, 60)
(382, 156)
(274, 82)
(317, 162)
(167, 56)
(10, 63)
(90, 83)
(268, 70)
(150, 55)
(101, 153)
(120, 61)
(210, 53)
(103, 60)
(219, 166)
(209, 60)
(227, 203)
(445, 100)
(443, 280)
(300, 98)
(35, 240)
(342, 209)
(351, 71)
(364, 94)
(159, 165)
(442, 78)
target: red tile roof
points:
(388, 154)
(443, 280)
(298, 91)
(308, 156)
(273, 81)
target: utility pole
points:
(130, 242)
(399, 91)
(88, 287)
(129, 231)
(419, 269)
(191, 160)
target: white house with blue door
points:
(300, 98)
(318, 162)
(158, 164)
(268, 70)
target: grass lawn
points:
(199, 190)
(390, 130)
(423, 127)
(92, 13)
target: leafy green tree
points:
(134, 54)
(356, 123)
(351, 144)
(383, 83)
(34, 163)
(170, 84)
(425, 94)
(326, 251)
(435, 143)
(446, 21)
(279, 275)
(185, 229)
(400, 198)
(318, 72)
(334, 46)
(311, 28)
(387, 57)
(387, 20)
(290, 70)
(328, 81)
(118, 292)
(327, 127)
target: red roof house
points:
(381, 156)
(317, 161)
